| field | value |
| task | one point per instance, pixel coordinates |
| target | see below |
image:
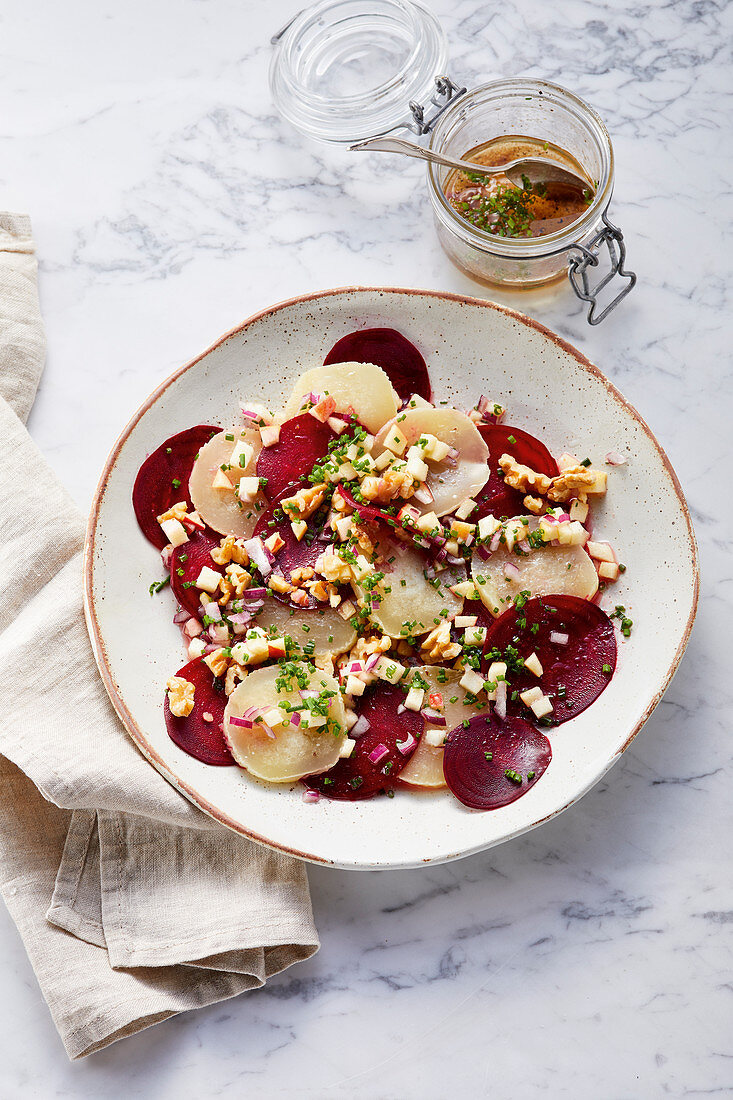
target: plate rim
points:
(97, 640)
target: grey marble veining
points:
(591, 958)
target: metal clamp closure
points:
(445, 91)
(578, 266)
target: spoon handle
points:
(410, 149)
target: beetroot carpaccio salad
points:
(378, 590)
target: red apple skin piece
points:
(496, 498)
(303, 440)
(197, 554)
(577, 666)
(379, 705)
(153, 492)
(202, 740)
(478, 755)
(394, 353)
(294, 554)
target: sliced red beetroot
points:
(359, 776)
(187, 561)
(303, 440)
(394, 353)
(488, 764)
(198, 737)
(294, 554)
(162, 480)
(573, 674)
(497, 498)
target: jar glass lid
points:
(345, 70)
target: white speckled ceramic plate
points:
(471, 347)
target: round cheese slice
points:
(449, 484)
(548, 570)
(221, 508)
(361, 388)
(294, 751)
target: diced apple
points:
(579, 510)
(471, 681)
(464, 509)
(221, 481)
(395, 440)
(414, 698)
(174, 531)
(208, 580)
(533, 664)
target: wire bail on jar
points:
(578, 266)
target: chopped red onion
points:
(352, 668)
(311, 796)
(511, 572)
(523, 546)
(378, 754)
(165, 556)
(245, 723)
(563, 518)
(483, 552)
(433, 716)
(453, 560)
(259, 555)
(181, 617)
(483, 405)
(613, 458)
(500, 704)
(213, 611)
(559, 639)
(295, 717)
(240, 618)
(372, 661)
(255, 593)
(423, 494)
(210, 648)
(495, 540)
(361, 726)
(407, 745)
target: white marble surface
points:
(591, 958)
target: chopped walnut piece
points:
(523, 478)
(239, 578)
(536, 505)
(304, 503)
(180, 696)
(305, 573)
(319, 589)
(363, 537)
(235, 675)
(569, 483)
(279, 584)
(176, 511)
(437, 645)
(228, 550)
(339, 504)
(217, 661)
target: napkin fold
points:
(131, 903)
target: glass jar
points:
(346, 70)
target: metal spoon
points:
(536, 169)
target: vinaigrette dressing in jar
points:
(495, 204)
(346, 70)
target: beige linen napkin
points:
(131, 903)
